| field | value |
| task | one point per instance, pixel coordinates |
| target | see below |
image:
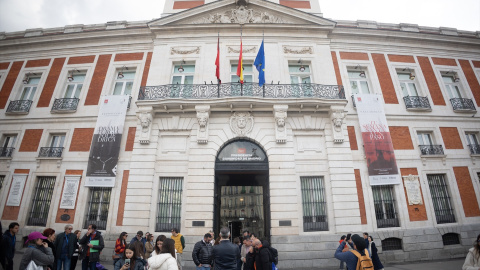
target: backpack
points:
(274, 254)
(364, 262)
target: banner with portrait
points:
(103, 158)
(381, 162)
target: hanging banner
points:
(103, 158)
(382, 166)
(16, 189)
(69, 195)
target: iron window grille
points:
(314, 204)
(169, 204)
(42, 197)
(98, 205)
(392, 243)
(385, 210)
(451, 239)
(2, 179)
(441, 198)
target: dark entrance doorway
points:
(242, 190)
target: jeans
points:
(86, 265)
(65, 261)
(179, 261)
(206, 267)
(342, 264)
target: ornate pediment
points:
(241, 15)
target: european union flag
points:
(260, 65)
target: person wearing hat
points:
(348, 257)
(37, 251)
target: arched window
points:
(392, 243)
(451, 239)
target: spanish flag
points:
(240, 64)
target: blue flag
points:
(260, 65)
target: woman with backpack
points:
(377, 264)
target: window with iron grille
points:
(385, 210)
(169, 205)
(451, 239)
(441, 198)
(2, 179)
(42, 196)
(392, 244)
(314, 204)
(98, 204)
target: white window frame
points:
(359, 80)
(124, 80)
(10, 143)
(300, 76)
(76, 84)
(408, 82)
(29, 89)
(233, 72)
(472, 137)
(57, 140)
(450, 86)
(183, 74)
(424, 136)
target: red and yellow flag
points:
(217, 61)
(240, 64)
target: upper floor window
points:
(358, 81)
(472, 142)
(124, 81)
(452, 84)
(30, 84)
(427, 144)
(8, 144)
(407, 83)
(425, 138)
(300, 73)
(247, 73)
(183, 74)
(55, 147)
(74, 85)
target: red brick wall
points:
(401, 138)
(4, 65)
(51, 83)
(444, 61)
(361, 200)
(451, 138)
(476, 64)
(9, 82)
(187, 4)
(31, 140)
(352, 137)
(336, 68)
(11, 212)
(471, 79)
(128, 56)
(432, 83)
(38, 63)
(96, 86)
(123, 195)
(130, 138)
(70, 212)
(81, 139)
(467, 192)
(389, 94)
(416, 212)
(401, 58)
(146, 69)
(81, 59)
(295, 4)
(354, 56)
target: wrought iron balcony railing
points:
(416, 102)
(429, 150)
(474, 149)
(65, 105)
(462, 104)
(55, 152)
(6, 151)
(19, 106)
(207, 91)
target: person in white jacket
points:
(166, 259)
(472, 262)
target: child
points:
(136, 262)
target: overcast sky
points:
(18, 15)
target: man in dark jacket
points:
(92, 244)
(348, 257)
(225, 255)
(201, 253)
(64, 247)
(8, 245)
(263, 258)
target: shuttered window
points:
(98, 204)
(42, 196)
(314, 204)
(169, 205)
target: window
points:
(169, 204)
(124, 82)
(452, 85)
(426, 144)
(408, 85)
(385, 210)
(392, 243)
(183, 77)
(450, 239)
(300, 73)
(8, 144)
(247, 73)
(29, 88)
(2, 180)
(98, 204)
(358, 81)
(440, 198)
(472, 142)
(314, 204)
(56, 146)
(42, 196)
(74, 87)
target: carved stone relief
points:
(280, 113)
(145, 118)
(338, 116)
(245, 49)
(184, 50)
(241, 123)
(202, 118)
(240, 15)
(297, 50)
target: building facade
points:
(284, 160)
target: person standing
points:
(8, 245)
(37, 251)
(202, 251)
(166, 259)
(377, 264)
(120, 245)
(342, 263)
(245, 249)
(149, 246)
(50, 234)
(92, 244)
(64, 247)
(263, 258)
(343, 254)
(179, 246)
(158, 245)
(139, 238)
(472, 261)
(367, 243)
(225, 255)
(77, 250)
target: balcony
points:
(463, 105)
(431, 150)
(474, 149)
(51, 152)
(417, 103)
(6, 152)
(65, 105)
(19, 106)
(210, 91)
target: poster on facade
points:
(105, 148)
(69, 195)
(16, 189)
(381, 162)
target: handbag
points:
(33, 266)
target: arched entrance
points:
(242, 189)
